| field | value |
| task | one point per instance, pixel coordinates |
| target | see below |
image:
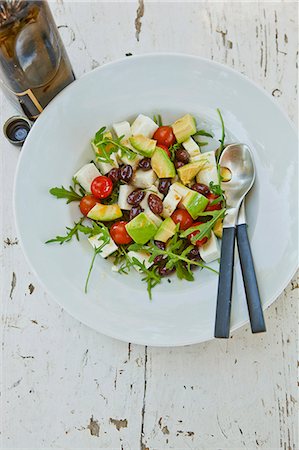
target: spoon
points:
(237, 158)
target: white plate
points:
(117, 305)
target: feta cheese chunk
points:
(142, 179)
(106, 167)
(124, 191)
(142, 257)
(191, 147)
(210, 250)
(211, 146)
(170, 203)
(122, 129)
(153, 217)
(209, 171)
(86, 175)
(96, 241)
(125, 160)
(144, 125)
(180, 189)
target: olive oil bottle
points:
(34, 65)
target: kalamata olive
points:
(161, 245)
(201, 189)
(164, 272)
(182, 155)
(114, 175)
(194, 254)
(145, 164)
(155, 203)
(135, 197)
(164, 185)
(158, 259)
(179, 164)
(135, 211)
(126, 173)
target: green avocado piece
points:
(184, 127)
(166, 230)
(189, 171)
(141, 229)
(195, 203)
(105, 212)
(143, 145)
(162, 164)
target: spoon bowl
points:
(238, 159)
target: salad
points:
(151, 199)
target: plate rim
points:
(115, 335)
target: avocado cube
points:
(184, 127)
(105, 213)
(195, 203)
(141, 229)
(166, 230)
(189, 171)
(143, 145)
(162, 164)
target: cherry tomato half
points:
(119, 233)
(101, 187)
(166, 150)
(164, 136)
(182, 217)
(214, 207)
(87, 203)
(200, 242)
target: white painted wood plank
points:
(239, 394)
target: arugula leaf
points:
(173, 148)
(71, 232)
(184, 272)
(158, 120)
(71, 195)
(152, 277)
(221, 147)
(217, 190)
(202, 133)
(102, 230)
(205, 228)
(106, 146)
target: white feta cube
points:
(144, 125)
(142, 257)
(142, 179)
(170, 203)
(124, 191)
(212, 144)
(209, 171)
(96, 241)
(122, 129)
(210, 250)
(191, 147)
(153, 217)
(180, 189)
(106, 167)
(123, 158)
(86, 175)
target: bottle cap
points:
(16, 129)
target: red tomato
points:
(119, 233)
(165, 149)
(211, 198)
(200, 242)
(87, 203)
(101, 187)
(182, 217)
(164, 136)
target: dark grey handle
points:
(225, 284)
(255, 310)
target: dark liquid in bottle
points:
(34, 65)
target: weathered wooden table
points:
(66, 386)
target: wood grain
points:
(64, 385)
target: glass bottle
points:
(34, 65)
